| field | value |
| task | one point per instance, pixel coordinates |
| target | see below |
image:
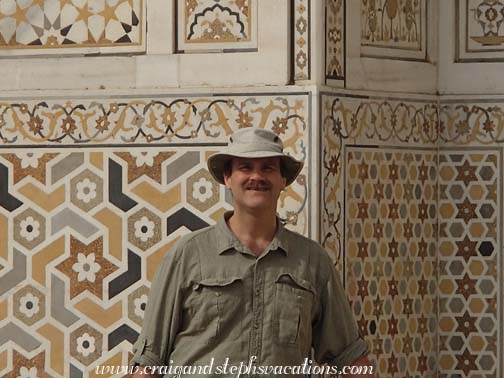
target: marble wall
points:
(411, 201)
(412, 212)
(380, 178)
(93, 193)
(105, 128)
(106, 124)
(470, 238)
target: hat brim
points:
(217, 162)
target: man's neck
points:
(254, 231)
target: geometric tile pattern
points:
(368, 138)
(302, 35)
(69, 24)
(470, 275)
(335, 39)
(145, 120)
(394, 28)
(480, 30)
(216, 25)
(390, 260)
(88, 228)
(350, 120)
(83, 228)
(450, 297)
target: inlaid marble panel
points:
(88, 230)
(302, 43)
(83, 226)
(71, 26)
(370, 146)
(335, 39)
(394, 28)
(215, 25)
(151, 120)
(391, 256)
(480, 30)
(379, 221)
(366, 121)
(470, 273)
(471, 122)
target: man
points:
(247, 292)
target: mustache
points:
(258, 185)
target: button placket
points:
(257, 311)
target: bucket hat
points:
(253, 143)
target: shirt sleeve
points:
(162, 316)
(336, 339)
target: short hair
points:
(228, 167)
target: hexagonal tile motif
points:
(86, 344)
(391, 256)
(29, 305)
(29, 229)
(74, 220)
(202, 190)
(144, 229)
(86, 190)
(137, 302)
(469, 297)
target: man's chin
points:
(258, 203)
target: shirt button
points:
(217, 294)
(258, 291)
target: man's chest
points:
(243, 298)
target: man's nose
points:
(256, 174)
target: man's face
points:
(255, 183)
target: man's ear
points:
(226, 181)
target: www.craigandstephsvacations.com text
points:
(227, 369)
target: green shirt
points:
(213, 298)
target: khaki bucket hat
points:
(253, 143)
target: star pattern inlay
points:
(391, 269)
(86, 267)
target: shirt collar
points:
(227, 240)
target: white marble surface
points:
(463, 78)
(157, 71)
(160, 17)
(381, 74)
(160, 67)
(71, 73)
(269, 65)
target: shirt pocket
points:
(218, 308)
(294, 298)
